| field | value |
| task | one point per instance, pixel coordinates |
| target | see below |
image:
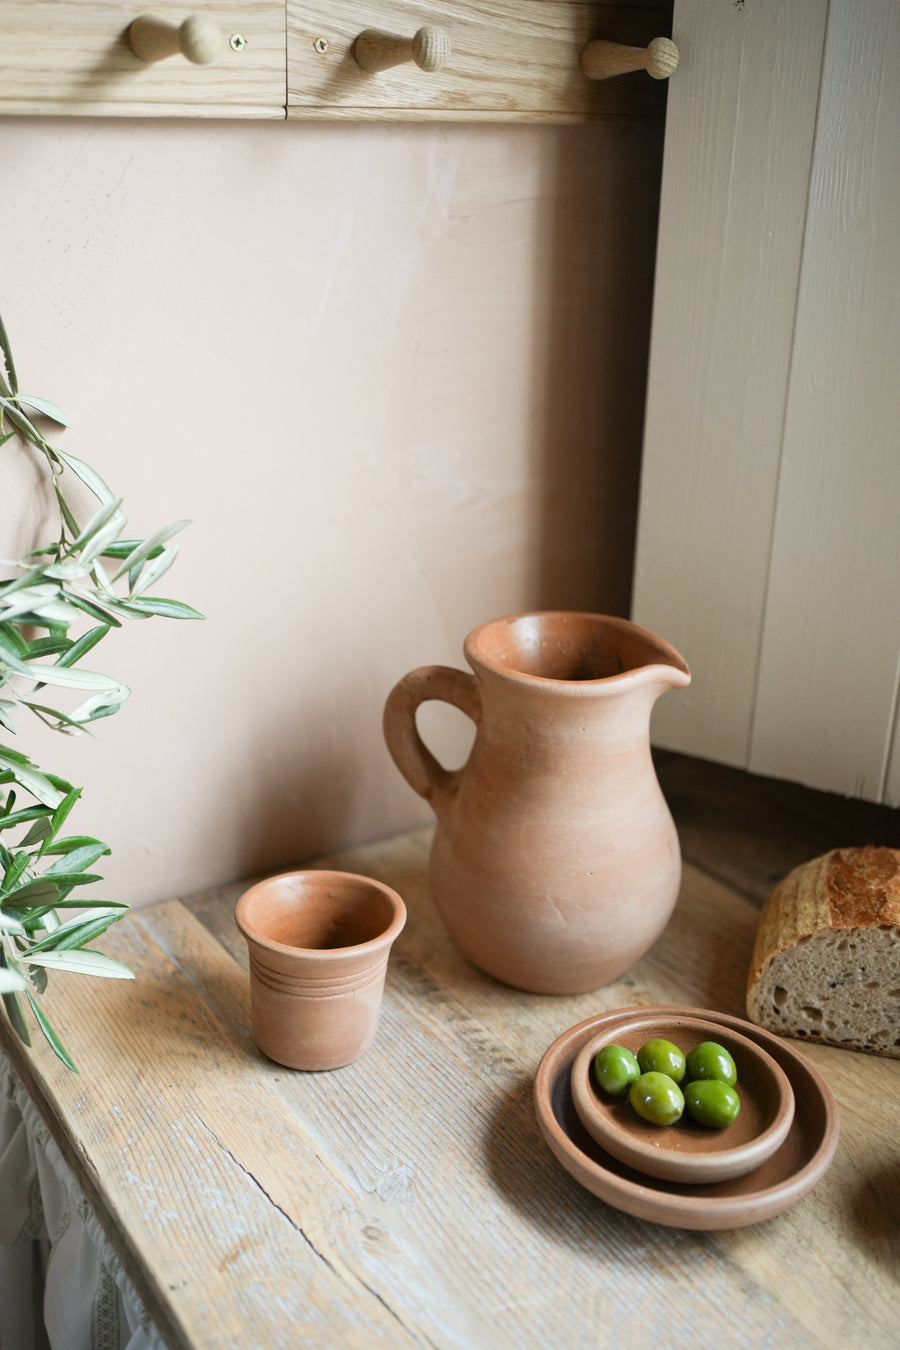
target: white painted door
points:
(769, 531)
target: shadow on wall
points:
(323, 775)
(307, 781)
(595, 365)
(489, 291)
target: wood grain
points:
(71, 57)
(160, 1150)
(510, 60)
(408, 1199)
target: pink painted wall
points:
(394, 374)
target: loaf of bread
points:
(826, 963)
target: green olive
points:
(711, 1060)
(659, 1056)
(657, 1097)
(615, 1069)
(712, 1103)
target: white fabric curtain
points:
(61, 1286)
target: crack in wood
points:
(261, 1188)
(309, 1242)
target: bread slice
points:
(826, 963)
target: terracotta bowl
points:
(686, 1151)
(770, 1189)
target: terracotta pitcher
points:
(555, 862)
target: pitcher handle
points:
(424, 773)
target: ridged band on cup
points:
(327, 984)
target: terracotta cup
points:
(319, 944)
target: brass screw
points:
(321, 45)
(238, 42)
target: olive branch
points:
(59, 602)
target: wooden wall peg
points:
(198, 38)
(601, 60)
(375, 51)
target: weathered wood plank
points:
(409, 1199)
(702, 959)
(475, 1045)
(155, 1133)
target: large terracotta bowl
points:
(787, 1176)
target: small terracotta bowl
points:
(687, 1152)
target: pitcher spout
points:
(659, 663)
(652, 666)
(672, 677)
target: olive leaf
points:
(58, 604)
(43, 405)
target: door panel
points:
(831, 639)
(768, 547)
(740, 126)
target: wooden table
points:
(409, 1199)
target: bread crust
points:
(846, 890)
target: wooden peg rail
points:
(404, 60)
(511, 60)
